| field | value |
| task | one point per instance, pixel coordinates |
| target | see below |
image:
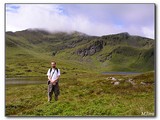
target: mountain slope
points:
(118, 52)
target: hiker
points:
(53, 78)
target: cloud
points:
(148, 32)
(92, 19)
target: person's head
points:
(53, 64)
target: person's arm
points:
(49, 78)
(57, 78)
(48, 74)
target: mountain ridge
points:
(115, 52)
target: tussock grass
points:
(81, 96)
(83, 90)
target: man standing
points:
(53, 78)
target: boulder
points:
(114, 79)
(143, 83)
(116, 83)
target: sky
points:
(92, 19)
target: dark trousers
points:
(53, 88)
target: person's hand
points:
(54, 82)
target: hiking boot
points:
(56, 98)
(49, 99)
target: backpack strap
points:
(50, 70)
(57, 70)
(53, 72)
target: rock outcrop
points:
(91, 50)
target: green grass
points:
(83, 95)
(84, 91)
(27, 51)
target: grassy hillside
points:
(29, 50)
(84, 91)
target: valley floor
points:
(86, 94)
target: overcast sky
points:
(92, 19)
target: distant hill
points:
(116, 52)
